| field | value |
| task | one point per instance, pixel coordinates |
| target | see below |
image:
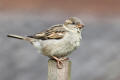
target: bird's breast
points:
(75, 40)
(61, 47)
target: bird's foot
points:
(60, 61)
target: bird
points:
(58, 41)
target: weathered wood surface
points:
(59, 74)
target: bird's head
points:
(74, 22)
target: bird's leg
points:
(60, 61)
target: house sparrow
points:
(58, 41)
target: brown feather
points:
(55, 32)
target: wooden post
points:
(59, 74)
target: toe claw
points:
(59, 65)
(60, 61)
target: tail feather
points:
(16, 36)
(21, 37)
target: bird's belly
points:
(59, 48)
(56, 49)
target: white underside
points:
(61, 47)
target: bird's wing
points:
(55, 32)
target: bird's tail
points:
(21, 37)
(16, 36)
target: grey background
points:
(98, 57)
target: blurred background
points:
(98, 57)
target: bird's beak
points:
(80, 26)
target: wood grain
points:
(59, 74)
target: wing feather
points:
(55, 32)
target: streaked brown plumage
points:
(55, 32)
(58, 41)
